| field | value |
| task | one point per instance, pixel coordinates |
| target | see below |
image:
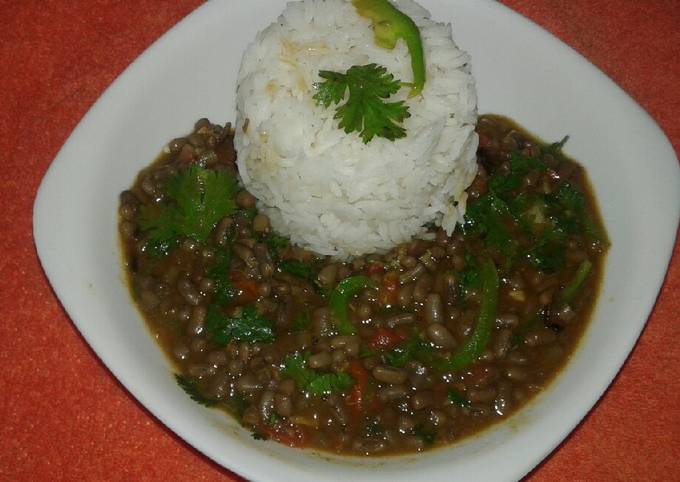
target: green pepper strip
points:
(390, 24)
(473, 347)
(340, 296)
(575, 284)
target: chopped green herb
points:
(274, 419)
(162, 247)
(457, 398)
(295, 367)
(298, 269)
(518, 334)
(529, 212)
(547, 252)
(399, 356)
(236, 405)
(248, 213)
(545, 219)
(330, 383)
(503, 184)
(305, 271)
(257, 435)
(197, 200)
(301, 323)
(365, 110)
(521, 164)
(424, 435)
(276, 243)
(192, 390)
(367, 353)
(412, 349)
(487, 219)
(469, 279)
(223, 292)
(567, 208)
(246, 325)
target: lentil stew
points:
(383, 354)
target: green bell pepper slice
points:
(339, 299)
(390, 25)
(476, 343)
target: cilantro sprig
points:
(193, 391)
(298, 269)
(412, 349)
(457, 399)
(276, 243)
(365, 110)
(244, 325)
(197, 199)
(223, 292)
(425, 435)
(295, 367)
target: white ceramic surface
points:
(631, 164)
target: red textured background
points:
(63, 416)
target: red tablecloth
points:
(64, 416)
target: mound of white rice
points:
(328, 190)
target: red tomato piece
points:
(386, 338)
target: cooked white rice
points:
(328, 190)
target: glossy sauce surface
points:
(251, 323)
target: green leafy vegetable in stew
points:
(298, 269)
(248, 213)
(330, 383)
(301, 323)
(487, 219)
(192, 390)
(457, 398)
(469, 279)
(197, 199)
(274, 420)
(506, 214)
(412, 349)
(365, 110)
(295, 367)
(425, 435)
(244, 325)
(276, 243)
(223, 292)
